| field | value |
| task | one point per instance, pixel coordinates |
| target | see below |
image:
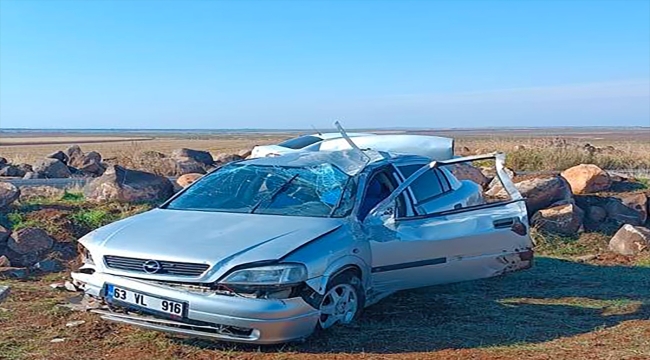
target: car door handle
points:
(503, 223)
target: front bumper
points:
(213, 316)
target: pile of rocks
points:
(181, 161)
(575, 200)
(26, 251)
(61, 164)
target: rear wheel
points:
(343, 301)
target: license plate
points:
(145, 301)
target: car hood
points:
(222, 240)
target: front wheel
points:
(343, 301)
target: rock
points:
(226, 158)
(630, 240)
(70, 286)
(74, 153)
(3, 161)
(8, 194)
(29, 240)
(596, 214)
(4, 262)
(57, 340)
(495, 184)
(52, 169)
(202, 157)
(12, 171)
(187, 179)
(4, 236)
(630, 209)
(14, 273)
(57, 286)
(561, 220)
(30, 175)
(245, 153)
(587, 178)
(75, 323)
(468, 172)
(156, 163)
(40, 192)
(25, 168)
(49, 265)
(540, 193)
(59, 155)
(189, 166)
(4, 292)
(121, 184)
(89, 163)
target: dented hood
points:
(221, 240)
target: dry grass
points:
(557, 310)
(560, 309)
(532, 150)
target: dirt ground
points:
(560, 309)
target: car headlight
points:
(268, 275)
(86, 257)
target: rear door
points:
(447, 242)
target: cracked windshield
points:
(315, 191)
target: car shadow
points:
(554, 299)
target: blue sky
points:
(289, 64)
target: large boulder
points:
(189, 166)
(52, 169)
(8, 194)
(201, 157)
(73, 153)
(12, 171)
(468, 172)
(561, 220)
(587, 178)
(59, 155)
(540, 193)
(29, 240)
(155, 162)
(118, 183)
(222, 159)
(3, 161)
(630, 240)
(4, 237)
(187, 179)
(245, 153)
(630, 209)
(596, 214)
(88, 164)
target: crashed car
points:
(268, 250)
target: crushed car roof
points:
(350, 162)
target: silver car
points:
(268, 250)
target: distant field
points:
(528, 149)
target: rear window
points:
(300, 142)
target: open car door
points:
(449, 244)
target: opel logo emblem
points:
(151, 266)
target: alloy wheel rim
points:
(339, 305)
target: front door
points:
(446, 245)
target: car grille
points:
(166, 267)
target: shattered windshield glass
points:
(318, 191)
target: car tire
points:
(343, 301)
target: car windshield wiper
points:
(273, 194)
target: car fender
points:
(319, 284)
